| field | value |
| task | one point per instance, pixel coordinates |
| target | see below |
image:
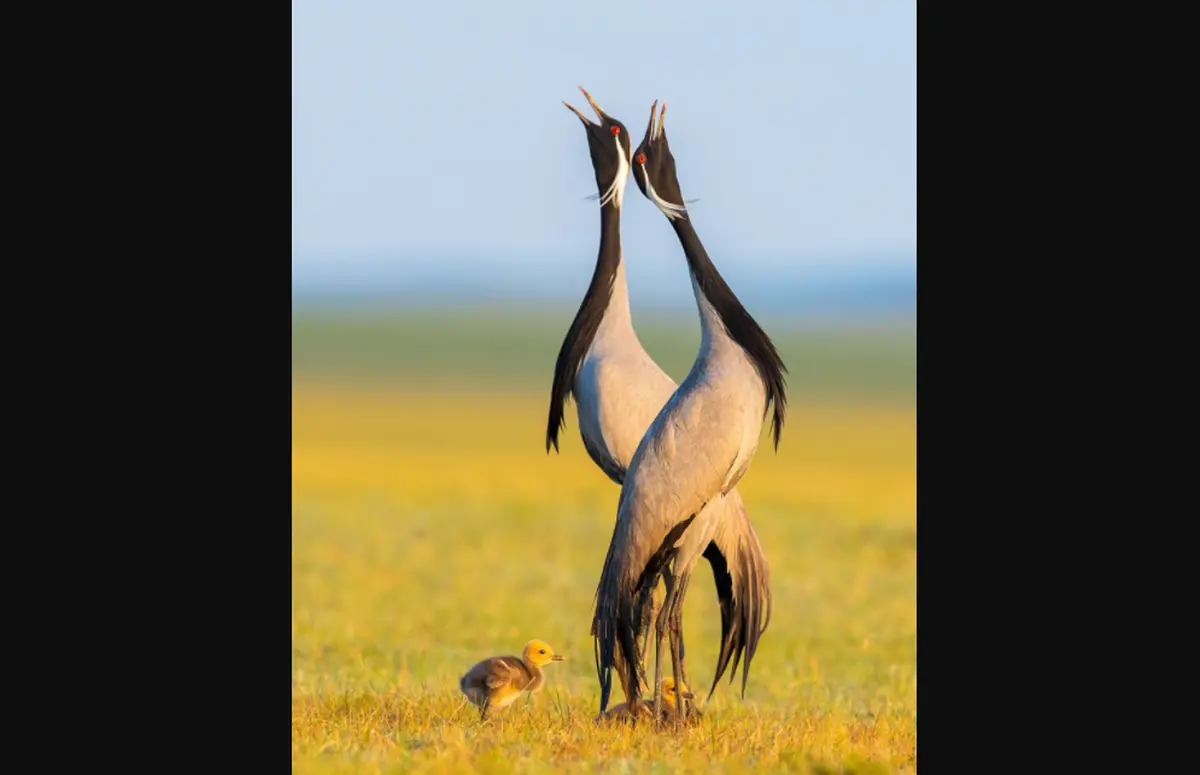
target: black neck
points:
(587, 320)
(698, 261)
(609, 256)
(738, 324)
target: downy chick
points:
(496, 682)
(645, 708)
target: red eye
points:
(641, 159)
(616, 130)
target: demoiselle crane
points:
(619, 389)
(692, 456)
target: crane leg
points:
(675, 609)
(647, 604)
(676, 672)
(685, 705)
(660, 630)
(678, 625)
(648, 621)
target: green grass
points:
(430, 530)
(520, 346)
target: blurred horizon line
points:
(873, 284)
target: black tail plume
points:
(744, 597)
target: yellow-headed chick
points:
(645, 707)
(496, 682)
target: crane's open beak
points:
(599, 111)
(558, 658)
(652, 131)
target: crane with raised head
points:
(618, 391)
(680, 483)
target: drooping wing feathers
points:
(742, 579)
(624, 673)
(621, 598)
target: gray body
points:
(689, 461)
(619, 389)
(620, 392)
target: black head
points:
(609, 144)
(654, 168)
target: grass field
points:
(431, 529)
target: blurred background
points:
(442, 240)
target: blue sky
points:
(438, 126)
